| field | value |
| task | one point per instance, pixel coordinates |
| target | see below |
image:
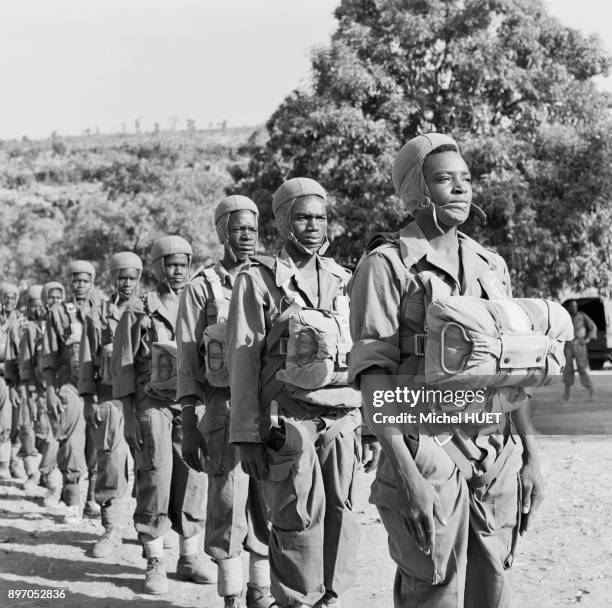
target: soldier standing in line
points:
(292, 414)
(168, 493)
(25, 401)
(11, 466)
(30, 375)
(60, 362)
(450, 502)
(236, 515)
(103, 415)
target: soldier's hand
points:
(193, 446)
(53, 401)
(370, 452)
(533, 490)
(89, 410)
(131, 429)
(14, 397)
(254, 460)
(423, 506)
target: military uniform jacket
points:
(98, 333)
(197, 311)
(30, 351)
(257, 301)
(144, 321)
(62, 338)
(15, 327)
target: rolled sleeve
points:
(246, 334)
(374, 318)
(190, 325)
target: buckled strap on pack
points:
(413, 345)
(465, 464)
(214, 282)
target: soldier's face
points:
(176, 270)
(81, 285)
(35, 309)
(242, 234)
(54, 297)
(309, 221)
(449, 182)
(9, 301)
(127, 281)
(572, 307)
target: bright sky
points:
(71, 65)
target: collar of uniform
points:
(156, 304)
(473, 259)
(227, 280)
(413, 244)
(286, 268)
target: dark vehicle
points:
(600, 310)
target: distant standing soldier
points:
(11, 465)
(102, 414)
(26, 402)
(236, 514)
(31, 376)
(576, 354)
(168, 492)
(60, 361)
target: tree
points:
(506, 79)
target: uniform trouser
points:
(111, 457)
(309, 491)
(69, 430)
(577, 359)
(27, 438)
(472, 552)
(6, 422)
(236, 515)
(168, 493)
(46, 443)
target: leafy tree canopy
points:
(512, 84)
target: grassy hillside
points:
(89, 196)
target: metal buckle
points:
(442, 443)
(419, 340)
(282, 346)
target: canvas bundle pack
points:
(475, 343)
(315, 344)
(162, 384)
(163, 379)
(213, 341)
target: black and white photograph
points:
(306, 304)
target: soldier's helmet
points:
(125, 259)
(170, 245)
(79, 266)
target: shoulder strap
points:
(214, 281)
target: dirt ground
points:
(565, 559)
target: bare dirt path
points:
(565, 559)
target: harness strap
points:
(413, 345)
(214, 282)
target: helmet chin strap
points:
(428, 208)
(300, 247)
(229, 250)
